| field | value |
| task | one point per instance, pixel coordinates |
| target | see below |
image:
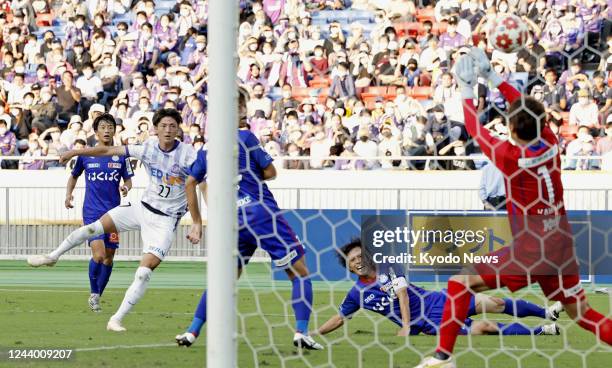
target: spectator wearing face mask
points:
(553, 40)
(293, 150)
(36, 148)
(412, 73)
(91, 88)
(284, 103)
(259, 101)
(319, 148)
(343, 85)
(55, 147)
(585, 112)
(165, 35)
(293, 69)
(130, 57)
(583, 145)
(320, 65)
(44, 112)
(451, 39)
(446, 91)
(15, 89)
(389, 145)
(8, 143)
(365, 147)
(79, 57)
(417, 141)
(602, 94)
(70, 134)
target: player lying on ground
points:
(102, 193)
(260, 223)
(417, 310)
(156, 215)
(542, 248)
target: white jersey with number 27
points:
(167, 172)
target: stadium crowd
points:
(339, 78)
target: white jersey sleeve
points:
(135, 151)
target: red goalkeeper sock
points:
(455, 312)
(598, 324)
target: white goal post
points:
(221, 234)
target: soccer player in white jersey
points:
(156, 215)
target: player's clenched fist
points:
(195, 233)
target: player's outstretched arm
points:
(331, 325)
(484, 70)
(491, 146)
(402, 295)
(93, 151)
(195, 233)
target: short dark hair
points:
(104, 117)
(345, 250)
(167, 113)
(80, 141)
(527, 118)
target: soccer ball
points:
(508, 33)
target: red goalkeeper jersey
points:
(532, 173)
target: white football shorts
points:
(156, 231)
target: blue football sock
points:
(522, 308)
(516, 329)
(105, 273)
(301, 301)
(199, 317)
(94, 274)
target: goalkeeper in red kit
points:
(542, 250)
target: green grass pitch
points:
(47, 308)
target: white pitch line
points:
(99, 348)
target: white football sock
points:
(77, 237)
(134, 292)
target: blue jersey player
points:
(260, 224)
(417, 310)
(103, 192)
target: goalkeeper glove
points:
(484, 66)
(466, 77)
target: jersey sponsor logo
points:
(286, 259)
(573, 291)
(175, 169)
(528, 162)
(94, 165)
(243, 201)
(114, 165)
(156, 250)
(167, 178)
(103, 176)
(369, 298)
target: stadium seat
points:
(439, 28)
(44, 19)
(410, 29)
(319, 82)
(568, 132)
(425, 79)
(374, 92)
(421, 93)
(391, 93)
